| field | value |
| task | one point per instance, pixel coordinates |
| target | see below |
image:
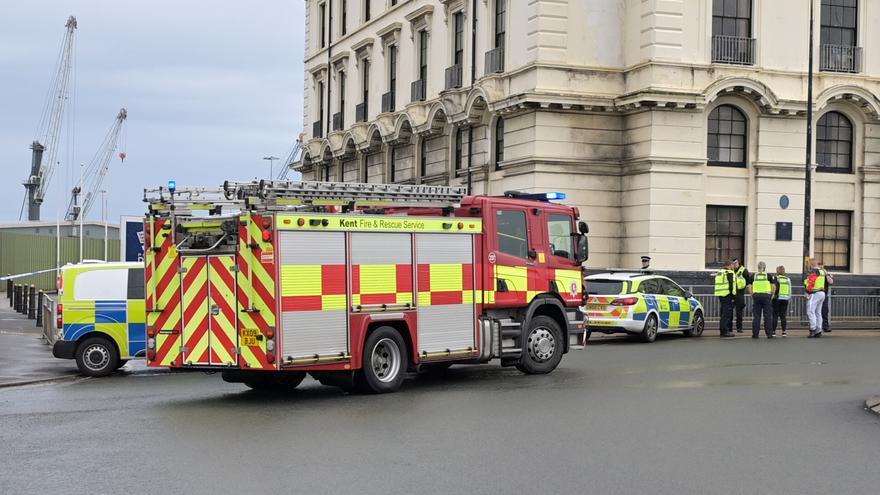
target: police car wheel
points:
(384, 362)
(698, 326)
(96, 357)
(542, 347)
(649, 334)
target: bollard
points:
(40, 301)
(32, 303)
(9, 288)
(16, 304)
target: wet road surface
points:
(677, 416)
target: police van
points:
(100, 316)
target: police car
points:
(641, 304)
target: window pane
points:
(512, 233)
(561, 241)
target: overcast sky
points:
(210, 87)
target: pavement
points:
(679, 416)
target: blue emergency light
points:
(554, 195)
(172, 185)
(548, 196)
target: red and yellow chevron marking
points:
(224, 335)
(312, 287)
(163, 291)
(256, 290)
(195, 310)
(381, 284)
(522, 285)
(441, 284)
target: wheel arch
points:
(402, 328)
(99, 334)
(551, 306)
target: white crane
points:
(292, 157)
(45, 145)
(93, 175)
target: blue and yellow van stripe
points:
(123, 321)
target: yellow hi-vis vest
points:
(820, 281)
(722, 287)
(761, 284)
(784, 287)
(740, 278)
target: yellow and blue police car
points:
(641, 304)
(100, 316)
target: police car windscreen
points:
(606, 286)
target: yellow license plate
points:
(596, 306)
(248, 337)
(599, 323)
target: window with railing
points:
(499, 142)
(834, 143)
(363, 109)
(839, 37)
(726, 137)
(388, 100)
(732, 41)
(419, 85)
(495, 56)
(725, 234)
(832, 239)
(340, 124)
(453, 73)
(317, 127)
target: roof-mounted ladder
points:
(284, 194)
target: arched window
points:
(499, 141)
(727, 137)
(834, 143)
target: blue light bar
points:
(172, 185)
(554, 195)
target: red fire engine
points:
(356, 284)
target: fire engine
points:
(358, 284)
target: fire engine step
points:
(511, 333)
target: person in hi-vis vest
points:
(814, 286)
(780, 301)
(763, 287)
(741, 276)
(725, 291)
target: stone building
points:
(677, 126)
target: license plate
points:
(598, 323)
(248, 337)
(596, 306)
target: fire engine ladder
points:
(290, 194)
(183, 201)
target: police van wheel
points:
(649, 334)
(96, 356)
(542, 348)
(384, 362)
(697, 329)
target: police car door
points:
(655, 298)
(679, 307)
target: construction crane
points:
(45, 145)
(93, 175)
(293, 155)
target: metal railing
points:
(840, 58)
(318, 129)
(495, 60)
(453, 76)
(417, 90)
(388, 102)
(50, 331)
(338, 121)
(360, 112)
(733, 50)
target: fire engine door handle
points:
(215, 310)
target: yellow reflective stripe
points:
(515, 276)
(404, 298)
(335, 301)
(378, 279)
(301, 280)
(424, 298)
(446, 278)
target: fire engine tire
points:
(542, 346)
(287, 381)
(649, 334)
(699, 326)
(96, 356)
(385, 362)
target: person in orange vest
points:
(814, 286)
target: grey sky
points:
(210, 88)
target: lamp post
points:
(271, 159)
(809, 156)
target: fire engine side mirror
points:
(583, 228)
(583, 248)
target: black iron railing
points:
(453, 76)
(733, 50)
(495, 60)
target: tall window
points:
(393, 3)
(367, 10)
(322, 23)
(832, 238)
(459, 139)
(732, 18)
(727, 137)
(342, 99)
(500, 26)
(392, 157)
(834, 143)
(320, 96)
(458, 42)
(327, 173)
(392, 68)
(344, 17)
(725, 234)
(512, 233)
(423, 157)
(365, 89)
(423, 56)
(499, 141)
(839, 18)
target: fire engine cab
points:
(357, 284)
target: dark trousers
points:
(780, 313)
(762, 310)
(739, 305)
(725, 324)
(826, 322)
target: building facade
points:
(677, 126)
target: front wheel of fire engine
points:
(385, 362)
(542, 347)
(96, 357)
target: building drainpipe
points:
(473, 80)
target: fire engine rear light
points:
(270, 358)
(269, 333)
(267, 222)
(59, 318)
(151, 343)
(151, 354)
(267, 236)
(625, 301)
(270, 345)
(151, 332)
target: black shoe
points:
(771, 336)
(812, 335)
(826, 331)
(755, 336)
(726, 335)
(817, 335)
(739, 330)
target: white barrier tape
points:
(20, 275)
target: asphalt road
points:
(677, 416)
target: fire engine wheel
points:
(699, 326)
(384, 362)
(542, 348)
(96, 356)
(649, 334)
